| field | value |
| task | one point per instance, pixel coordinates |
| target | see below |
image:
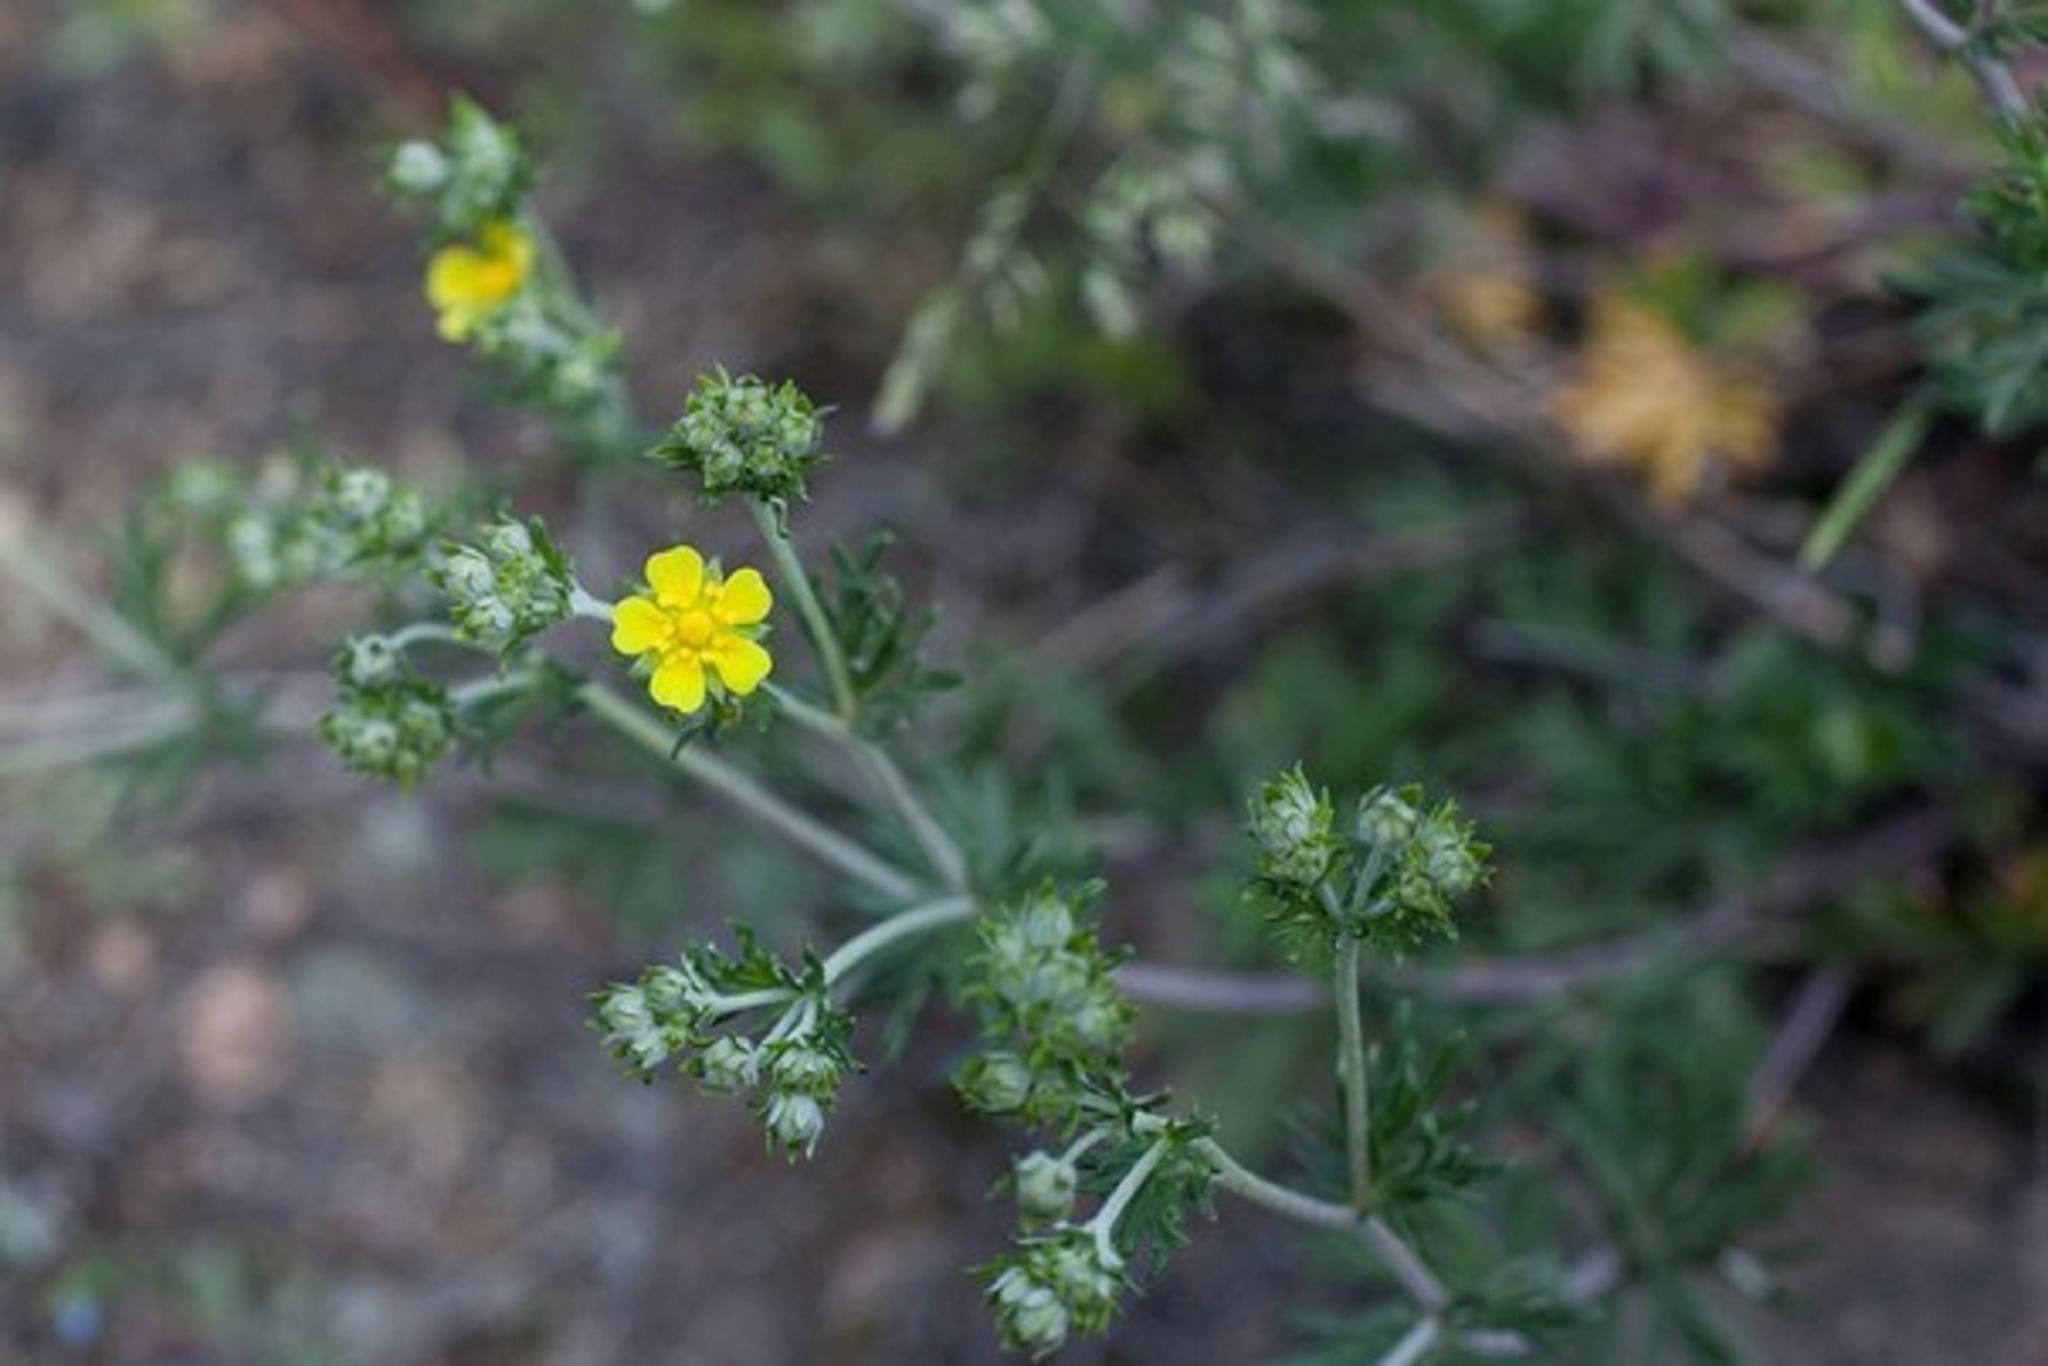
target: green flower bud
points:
(797, 1066)
(729, 1064)
(744, 436)
(1045, 1187)
(396, 732)
(370, 661)
(418, 167)
(1101, 1022)
(1029, 1315)
(995, 1083)
(1293, 825)
(1387, 819)
(487, 172)
(794, 1120)
(252, 551)
(1449, 862)
(1045, 921)
(1067, 1271)
(360, 495)
(631, 1030)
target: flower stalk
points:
(822, 842)
(1351, 1065)
(797, 582)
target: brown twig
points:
(1798, 1042)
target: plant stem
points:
(790, 569)
(419, 632)
(1410, 1348)
(35, 568)
(583, 604)
(945, 911)
(491, 685)
(751, 1000)
(1400, 1259)
(815, 838)
(1351, 1073)
(1103, 1225)
(1994, 78)
(939, 848)
(1233, 1175)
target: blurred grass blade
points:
(1875, 470)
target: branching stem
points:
(938, 847)
(949, 910)
(1103, 1225)
(814, 837)
(796, 581)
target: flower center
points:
(694, 628)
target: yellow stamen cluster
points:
(1643, 398)
(468, 282)
(696, 629)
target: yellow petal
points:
(456, 276)
(741, 663)
(679, 682)
(744, 599)
(455, 324)
(677, 576)
(639, 626)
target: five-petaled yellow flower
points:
(467, 282)
(689, 620)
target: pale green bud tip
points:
(729, 1064)
(1045, 1187)
(1387, 819)
(1293, 825)
(418, 167)
(370, 661)
(996, 1083)
(745, 436)
(1029, 1315)
(794, 1120)
(799, 1067)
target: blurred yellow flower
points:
(1643, 398)
(690, 621)
(466, 282)
(1488, 297)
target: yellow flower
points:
(1644, 398)
(466, 283)
(1488, 295)
(690, 619)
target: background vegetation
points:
(1624, 417)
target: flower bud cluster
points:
(507, 588)
(1046, 995)
(357, 519)
(477, 172)
(1295, 826)
(1394, 876)
(746, 436)
(388, 723)
(1053, 1285)
(791, 1072)
(1433, 857)
(554, 358)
